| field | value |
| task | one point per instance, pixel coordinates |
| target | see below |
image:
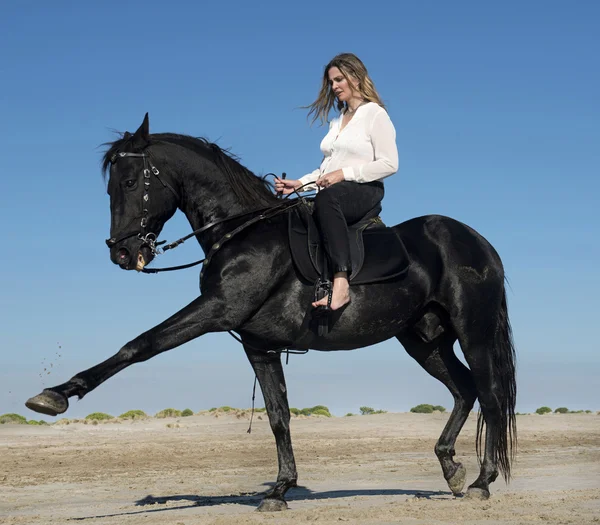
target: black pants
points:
(339, 205)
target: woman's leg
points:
(335, 207)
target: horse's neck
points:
(206, 203)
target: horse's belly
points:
(375, 314)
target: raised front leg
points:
(269, 372)
(199, 317)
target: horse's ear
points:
(141, 136)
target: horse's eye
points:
(130, 183)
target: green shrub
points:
(439, 408)
(262, 409)
(543, 410)
(349, 414)
(168, 412)
(422, 409)
(13, 418)
(225, 409)
(380, 412)
(365, 411)
(320, 412)
(305, 411)
(295, 411)
(588, 411)
(134, 414)
(561, 410)
(187, 412)
(213, 409)
(98, 416)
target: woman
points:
(359, 151)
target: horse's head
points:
(142, 199)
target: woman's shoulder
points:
(374, 109)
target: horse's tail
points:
(505, 432)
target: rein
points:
(150, 238)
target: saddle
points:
(376, 252)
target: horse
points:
(453, 290)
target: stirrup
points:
(321, 310)
(322, 314)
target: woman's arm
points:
(310, 178)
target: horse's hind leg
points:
(490, 353)
(269, 372)
(438, 359)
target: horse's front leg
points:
(199, 317)
(269, 372)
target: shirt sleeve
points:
(309, 178)
(385, 158)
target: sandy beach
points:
(374, 469)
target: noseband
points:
(148, 238)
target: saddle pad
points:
(377, 253)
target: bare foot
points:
(340, 295)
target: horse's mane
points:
(247, 187)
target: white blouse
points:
(365, 150)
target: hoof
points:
(457, 481)
(272, 505)
(475, 493)
(49, 403)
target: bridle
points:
(148, 238)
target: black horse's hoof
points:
(457, 480)
(48, 402)
(476, 493)
(272, 505)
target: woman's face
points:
(340, 86)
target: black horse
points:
(453, 290)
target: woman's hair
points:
(351, 67)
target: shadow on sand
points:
(252, 499)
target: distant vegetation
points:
(560, 410)
(168, 412)
(98, 416)
(134, 414)
(367, 411)
(427, 409)
(13, 418)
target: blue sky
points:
(496, 108)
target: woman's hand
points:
(330, 178)
(285, 186)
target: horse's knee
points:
(279, 423)
(134, 351)
(444, 450)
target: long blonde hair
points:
(351, 67)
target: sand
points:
(375, 469)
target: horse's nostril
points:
(123, 256)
